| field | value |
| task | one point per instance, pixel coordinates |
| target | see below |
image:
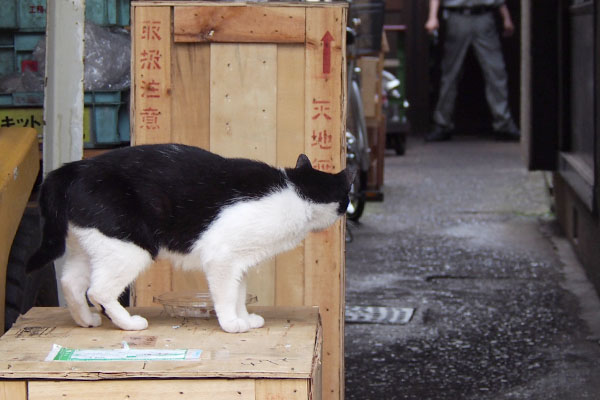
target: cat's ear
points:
(303, 162)
(350, 174)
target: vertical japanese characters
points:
(150, 59)
(322, 110)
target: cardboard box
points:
(282, 360)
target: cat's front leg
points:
(224, 288)
(254, 320)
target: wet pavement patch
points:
(492, 318)
(379, 315)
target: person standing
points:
(471, 23)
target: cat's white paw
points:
(95, 320)
(135, 323)
(256, 321)
(235, 325)
(90, 320)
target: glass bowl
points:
(191, 304)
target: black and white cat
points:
(118, 212)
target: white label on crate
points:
(59, 353)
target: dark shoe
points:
(438, 134)
(508, 135)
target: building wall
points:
(581, 227)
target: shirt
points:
(472, 3)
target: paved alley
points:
(502, 310)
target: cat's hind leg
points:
(115, 264)
(254, 320)
(75, 281)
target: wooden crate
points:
(371, 89)
(281, 361)
(376, 133)
(256, 80)
(371, 85)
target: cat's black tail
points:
(53, 207)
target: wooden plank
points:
(191, 94)
(156, 280)
(13, 390)
(284, 348)
(19, 166)
(217, 389)
(188, 3)
(218, 24)
(289, 270)
(325, 277)
(289, 277)
(243, 121)
(243, 101)
(316, 384)
(324, 132)
(288, 389)
(151, 114)
(189, 281)
(370, 87)
(151, 81)
(290, 104)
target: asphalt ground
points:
(502, 309)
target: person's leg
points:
(488, 51)
(457, 42)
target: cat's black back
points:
(159, 195)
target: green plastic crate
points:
(27, 15)
(108, 12)
(30, 15)
(16, 51)
(106, 115)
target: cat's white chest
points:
(250, 231)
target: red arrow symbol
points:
(327, 39)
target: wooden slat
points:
(151, 56)
(290, 104)
(243, 101)
(289, 271)
(316, 384)
(239, 24)
(13, 390)
(189, 281)
(215, 389)
(284, 348)
(324, 262)
(370, 85)
(212, 3)
(156, 280)
(324, 287)
(191, 94)
(243, 121)
(288, 389)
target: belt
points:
(476, 10)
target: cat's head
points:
(327, 192)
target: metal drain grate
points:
(379, 315)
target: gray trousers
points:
(479, 31)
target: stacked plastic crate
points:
(22, 28)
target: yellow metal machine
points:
(19, 167)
